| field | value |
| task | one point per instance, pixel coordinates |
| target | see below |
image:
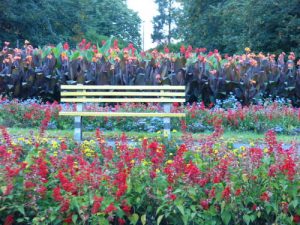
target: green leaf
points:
(21, 209)
(104, 49)
(57, 50)
(294, 203)
(75, 55)
(103, 221)
(226, 217)
(46, 52)
(143, 219)
(159, 209)
(74, 218)
(159, 219)
(246, 218)
(89, 55)
(134, 218)
(181, 209)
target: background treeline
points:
(231, 25)
(53, 21)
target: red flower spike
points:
(9, 220)
(205, 204)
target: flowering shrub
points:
(38, 72)
(282, 118)
(203, 182)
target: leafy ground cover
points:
(279, 116)
(57, 181)
(137, 136)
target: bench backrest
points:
(120, 94)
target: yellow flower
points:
(55, 153)
(174, 131)
(132, 161)
(21, 139)
(247, 49)
(243, 148)
(169, 161)
(252, 144)
(55, 144)
(266, 150)
(157, 170)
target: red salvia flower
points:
(97, 204)
(296, 218)
(121, 221)
(265, 197)
(205, 204)
(65, 205)
(9, 220)
(238, 192)
(110, 208)
(57, 194)
(226, 193)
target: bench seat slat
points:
(156, 94)
(115, 87)
(121, 114)
(84, 100)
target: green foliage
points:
(232, 25)
(52, 21)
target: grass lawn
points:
(134, 135)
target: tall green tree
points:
(232, 25)
(164, 24)
(52, 21)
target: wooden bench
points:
(80, 94)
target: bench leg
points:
(78, 129)
(167, 122)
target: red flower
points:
(182, 49)
(254, 207)
(29, 184)
(265, 197)
(256, 154)
(121, 221)
(272, 171)
(66, 46)
(192, 171)
(126, 209)
(226, 193)
(238, 192)
(110, 208)
(63, 146)
(96, 204)
(296, 218)
(9, 220)
(289, 167)
(167, 50)
(212, 192)
(116, 45)
(172, 197)
(68, 219)
(57, 195)
(65, 205)
(205, 204)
